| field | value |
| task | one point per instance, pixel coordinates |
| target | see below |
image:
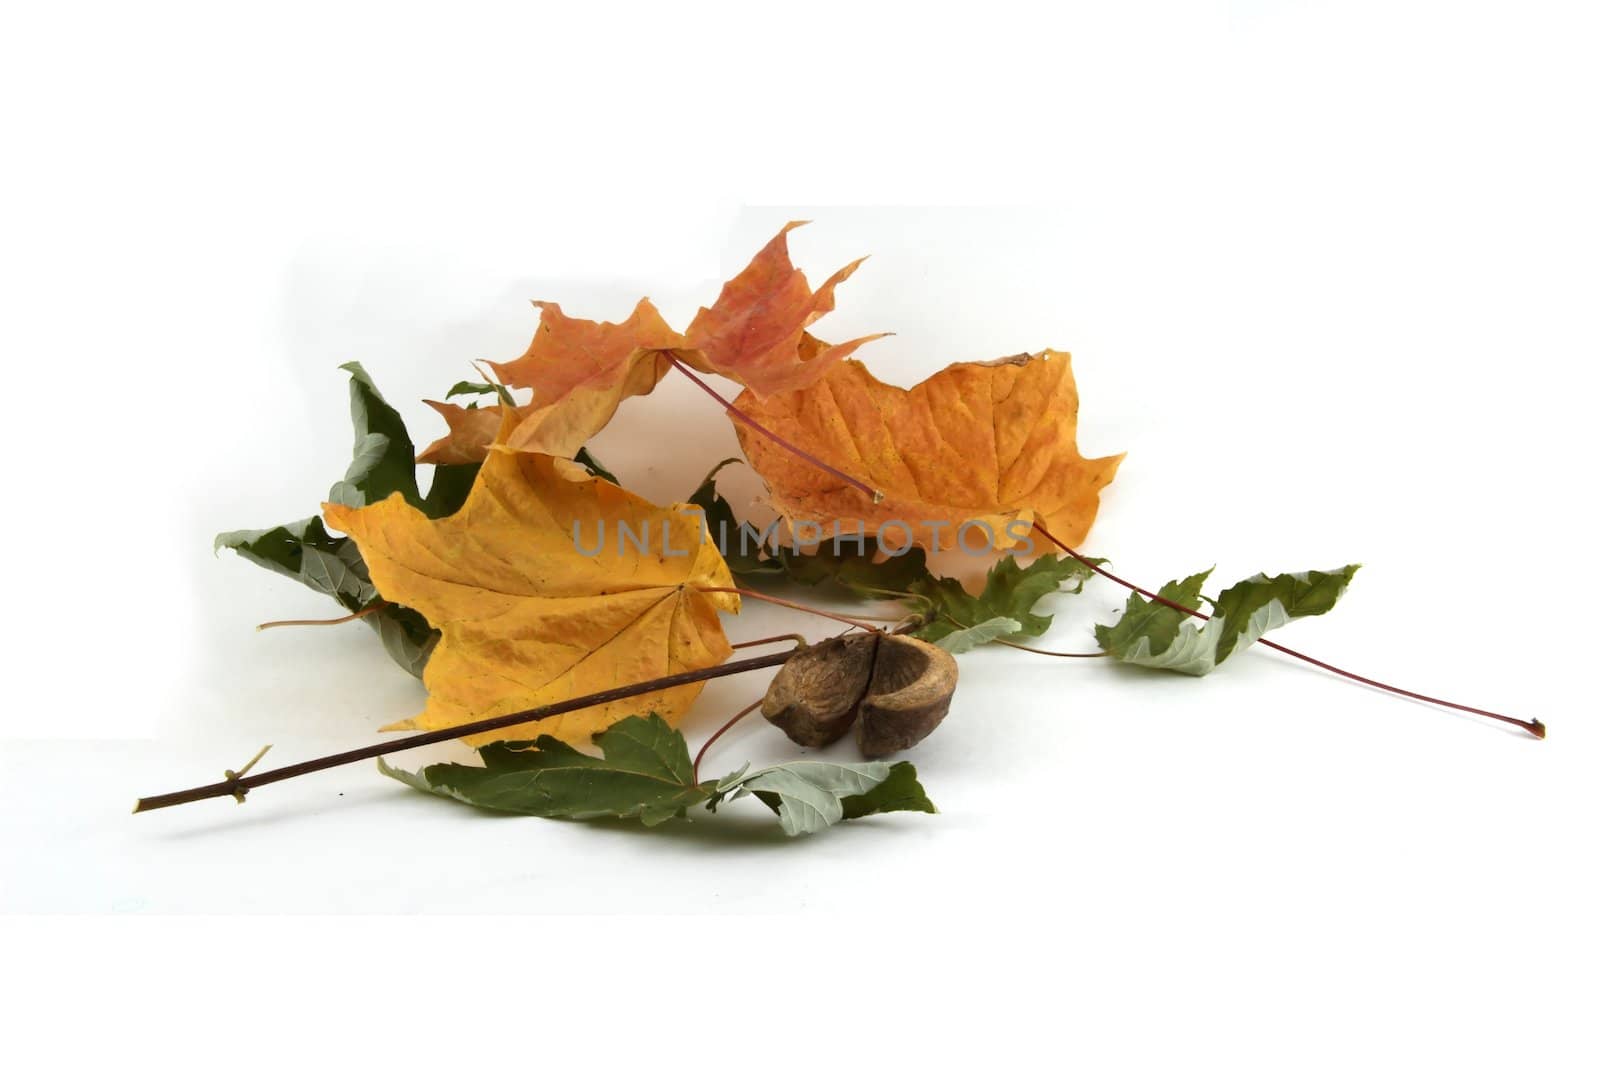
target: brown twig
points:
(1533, 726)
(734, 412)
(237, 786)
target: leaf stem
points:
(781, 602)
(1533, 726)
(1047, 652)
(370, 609)
(734, 412)
(237, 786)
(698, 756)
(800, 642)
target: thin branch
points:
(734, 412)
(698, 756)
(1533, 726)
(237, 786)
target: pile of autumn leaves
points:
(479, 587)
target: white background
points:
(1328, 274)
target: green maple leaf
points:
(959, 620)
(1150, 634)
(853, 564)
(812, 795)
(481, 389)
(739, 542)
(383, 462)
(475, 389)
(644, 772)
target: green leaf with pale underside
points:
(810, 795)
(644, 772)
(960, 620)
(383, 462)
(1150, 634)
(965, 640)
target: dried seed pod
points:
(909, 695)
(815, 695)
(895, 689)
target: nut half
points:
(912, 683)
(815, 695)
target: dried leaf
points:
(990, 443)
(473, 432)
(526, 618)
(581, 371)
(755, 332)
(469, 433)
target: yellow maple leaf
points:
(529, 613)
(993, 443)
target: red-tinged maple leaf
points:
(581, 371)
(753, 333)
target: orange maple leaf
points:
(581, 371)
(470, 432)
(559, 429)
(994, 443)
